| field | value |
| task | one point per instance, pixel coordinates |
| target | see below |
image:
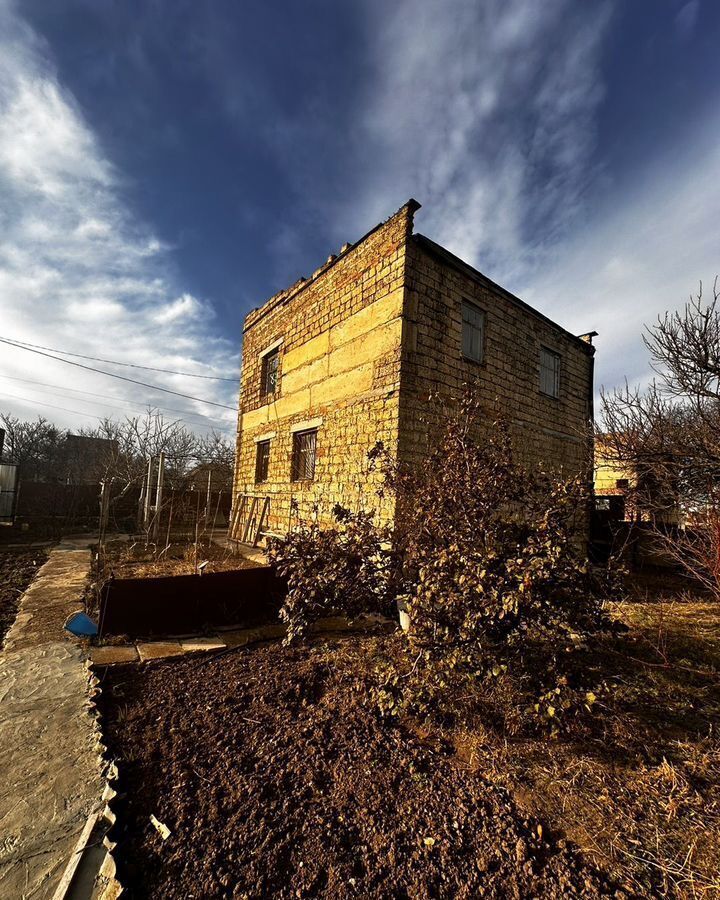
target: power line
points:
(115, 362)
(154, 387)
(75, 412)
(102, 397)
(109, 406)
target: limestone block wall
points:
(340, 342)
(546, 431)
(363, 344)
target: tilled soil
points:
(277, 779)
(17, 570)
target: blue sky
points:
(165, 166)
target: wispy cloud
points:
(77, 270)
(686, 19)
(486, 113)
(644, 253)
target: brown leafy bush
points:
(340, 570)
(486, 556)
(493, 577)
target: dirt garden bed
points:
(120, 559)
(17, 570)
(277, 779)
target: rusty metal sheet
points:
(185, 604)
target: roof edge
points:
(412, 206)
(435, 249)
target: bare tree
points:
(121, 450)
(668, 435)
(37, 446)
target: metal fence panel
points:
(9, 479)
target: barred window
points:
(473, 332)
(303, 456)
(262, 461)
(549, 372)
(269, 376)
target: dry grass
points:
(135, 560)
(640, 792)
(120, 559)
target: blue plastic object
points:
(81, 625)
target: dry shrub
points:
(638, 786)
(499, 596)
(345, 569)
(485, 555)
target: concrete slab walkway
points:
(51, 779)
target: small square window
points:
(549, 372)
(262, 461)
(473, 332)
(303, 456)
(269, 375)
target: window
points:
(473, 332)
(549, 372)
(303, 457)
(262, 461)
(269, 375)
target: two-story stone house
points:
(351, 355)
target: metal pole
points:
(159, 493)
(141, 505)
(148, 484)
(104, 508)
(208, 499)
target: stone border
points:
(108, 884)
(230, 639)
(49, 692)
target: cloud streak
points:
(77, 269)
(644, 253)
(488, 113)
(485, 113)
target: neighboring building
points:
(351, 356)
(86, 459)
(621, 495)
(612, 481)
(214, 476)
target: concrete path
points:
(50, 778)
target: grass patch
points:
(640, 790)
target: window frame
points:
(478, 311)
(556, 372)
(262, 454)
(265, 372)
(298, 469)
